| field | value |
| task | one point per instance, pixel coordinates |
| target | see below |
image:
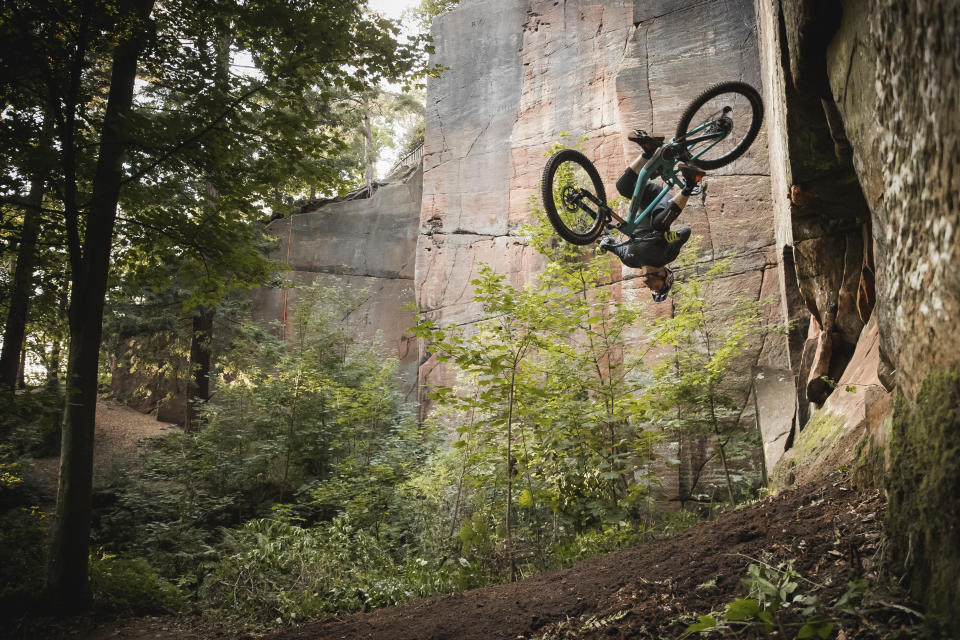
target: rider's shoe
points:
(607, 243)
(692, 175)
(661, 295)
(648, 143)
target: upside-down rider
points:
(654, 245)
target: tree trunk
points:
(53, 368)
(68, 587)
(510, 471)
(22, 368)
(199, 388)
(15, 330)
(367, 148)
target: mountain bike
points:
(716, 128)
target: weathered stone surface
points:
(368, 245)
(449, 263)
(519, 75)
(371, 237)
(857, 407)
(895, 84)
(776, 397)
(674, 55)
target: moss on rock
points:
(817, 437)
(923, 486)
(869, 468)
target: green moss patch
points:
(817, 437)
(923, 486)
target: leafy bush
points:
(30, 422)
(274, 570)
(131, 586)
(596, 543)
(23, 552)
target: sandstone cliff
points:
(367, 244)
(844, 213)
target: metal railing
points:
(409, 160)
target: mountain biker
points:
(654, 245)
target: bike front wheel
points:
(721, 123)
(573, 197)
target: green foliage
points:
(427, 10)
(693, 395)
(546, 439)
(273, 570)
(30, 424)
(774, 594)
(131, 586)
(23, 552)
(782, 603)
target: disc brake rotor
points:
(570, 195)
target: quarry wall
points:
(519, 77)
(865, 96)
(844, 213)
(522, 76)
(366, 244)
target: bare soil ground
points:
(831, 533)
(119, 432)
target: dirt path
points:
(830, 533)
(637, 592)
(119, 432)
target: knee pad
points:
(627, 182)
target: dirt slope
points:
(831, 533)
(119, 431)
(827, 532)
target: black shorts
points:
(652, 248)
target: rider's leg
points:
(664, 216)
(675, 241)
(627, 182)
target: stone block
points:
(775, 395)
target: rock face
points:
(366, 244)
(864, 94)
(896, 87)
(522, 76)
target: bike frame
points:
(663, 163)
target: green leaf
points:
(742, 609)
(706, 622)
(767, 619)
(526, 499)
(816, 629)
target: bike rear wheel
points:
(733, 108)
(572, 196)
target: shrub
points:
(23, 553)
(131, 586)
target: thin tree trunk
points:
(726, 472)
(22, 367)
(53, 370)
(199, 388)
(720, 447)
(513, 562)
(67, 579)
(15, 329)
(368, 148)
